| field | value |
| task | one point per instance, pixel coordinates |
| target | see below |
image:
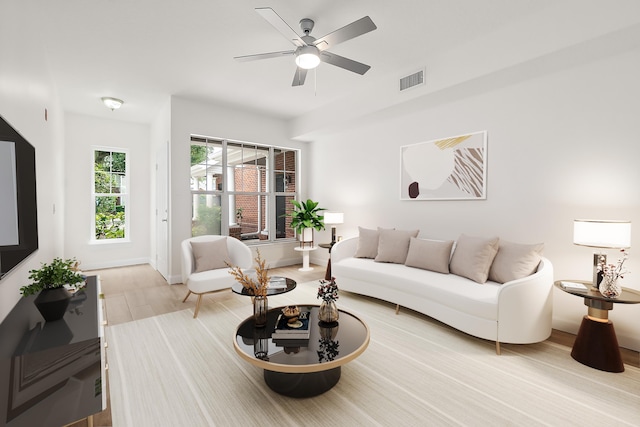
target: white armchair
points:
(203, 264)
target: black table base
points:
(596, 346)
(304, 384)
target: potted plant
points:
(49, 282)
(305, 218)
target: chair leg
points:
(195, 313)
(185, 298)
(498, 352)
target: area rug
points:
(173, 370)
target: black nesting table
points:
(302, 368)
(241, 290)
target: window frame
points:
(270, 194)
(125, 196)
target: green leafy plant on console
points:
(52, 276)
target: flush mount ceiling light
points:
(113, 103)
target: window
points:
(110, 194)
(242, 190)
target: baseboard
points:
(112, 264)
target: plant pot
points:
(306, 237)
(52, 303)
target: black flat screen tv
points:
(18, 206)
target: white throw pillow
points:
(393, 245)
(473, 256)
(367, 243)
(210, 255)
(515, 261)
(430, 255)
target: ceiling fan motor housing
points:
(306, 25)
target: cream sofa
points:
(517, 311)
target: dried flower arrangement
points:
(615, 271)
(328, 291)
(257, 286)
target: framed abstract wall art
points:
(452, 168)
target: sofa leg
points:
(498, 348)
(195, 313)
(185, 298)
(397, 308)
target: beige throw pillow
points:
(393, 245)
(515, 261)
(473, 256)
(210, 255)
(430, 255)
(367, 243)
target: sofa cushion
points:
(515, 261)
(473, 256)
(210, 255)
(393, 245)
(433, 255)
(367, 243)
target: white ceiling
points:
(144, 51)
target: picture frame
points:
(453, 168)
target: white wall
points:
(26, 90)
(563, 144)
(190, 117)
(82, 134)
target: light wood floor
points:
(137, 292)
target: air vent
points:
(412, 80)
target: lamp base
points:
(598, 259)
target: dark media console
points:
(52, 373)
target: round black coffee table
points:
(302, 368)
(290, 285)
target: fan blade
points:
(279, 24)
(299, 76)
(346, 63)
(264, 55)
(348, 32)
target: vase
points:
(328, 312)
(260, 310)
(609, 287)
(52, 303)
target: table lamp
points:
(333, 218)
(601, 234)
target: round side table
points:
(596, 344)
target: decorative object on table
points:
(277, 283)
(54, 282)
(602, 234)
(333, 218)
(609, 286)
(256, 282)
(328, 292)
(452, 168)
(292, 327)
(305, 218)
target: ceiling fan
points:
(310, 51)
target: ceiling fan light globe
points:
(307, 57)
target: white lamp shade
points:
(601, 233)
(333, 218)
